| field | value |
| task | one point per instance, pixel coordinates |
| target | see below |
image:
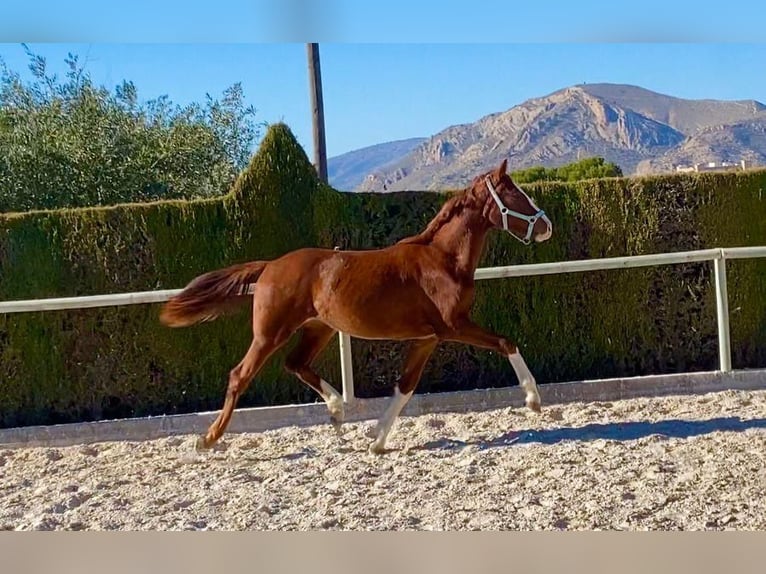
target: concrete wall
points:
(265, 418)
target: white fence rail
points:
(718, 256)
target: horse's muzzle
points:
(542, 230)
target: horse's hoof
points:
(376, 448)
(201, 444)
(534, 405)
(337, 415)
(337, 425)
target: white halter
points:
(505, 212)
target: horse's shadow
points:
(623, 432)
(675, 428)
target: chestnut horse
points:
(420, 289)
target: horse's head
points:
(507, 207)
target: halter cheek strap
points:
(505, 212)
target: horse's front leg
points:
(419, 353)
(468, 332)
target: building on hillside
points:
(715, 166)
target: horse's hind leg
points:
(271, 330)
(239, 379)
(419, 353)
(314, 338)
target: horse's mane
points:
(451, 207)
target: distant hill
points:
(640, 130)
(686, 116)
(347, 171)
(724, 143)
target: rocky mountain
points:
(686, 116)
(722, 143)
(638, 129)
(347, 171)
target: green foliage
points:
(115, 362)
(589, 168)
(112, 362)
(68, 143)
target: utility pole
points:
(317, 106)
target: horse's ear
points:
(503, 168)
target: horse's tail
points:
(210, 295)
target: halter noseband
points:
(505, 212)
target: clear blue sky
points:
(381, 21)
(381, 92)
(387, 72)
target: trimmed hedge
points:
(116, 362)
(113, 362)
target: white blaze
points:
(547, 234)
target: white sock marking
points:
(387, 420)
(526, 379)
(333, 399)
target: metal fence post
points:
(346, 368)
(722, 308)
